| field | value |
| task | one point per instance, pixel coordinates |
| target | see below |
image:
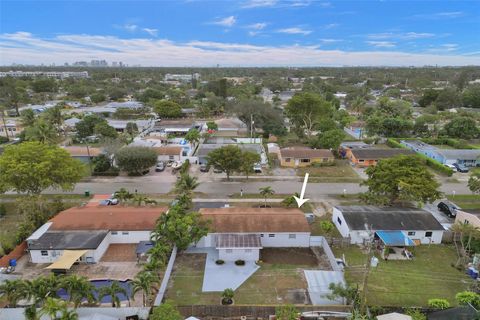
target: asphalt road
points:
(221, 189)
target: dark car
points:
(447, 208)
(460, 168)
(204, 167)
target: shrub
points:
(112, 172)
(240, 262)
(135, 160)
(326, 226)
(439, 303)
(101, 163)
(3, 139)
(468, 297)
(219, 262)
(3, 210)
(416, 314)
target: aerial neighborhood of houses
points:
(191, 193)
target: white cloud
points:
(330, 26)
(257, 26)
(25, 48)
(401, 36)
(250, 4)
(328, 41)
(446, 47)
(295, 30)
(226, 22)
(152, 32)
(381, 44)
(439, 15)
(130, 27)
(259, 4)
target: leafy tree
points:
(193, 136)
(165, 311)
(227, 158)
(54, 116)
(468, 297)
(468, 233)
(429, 96)
(116, 93)
(286, 312)
(248, 160)
(112, 291)
(471, 97)
(474, 183)
(86, 127)
(101, 163)
(401, 178)
(211, 125)
(105, 130)
(41, 131)
(98, 97)
(32, 167)
(306, 109)
(131, 128)
(167, 109)
(326, 124)
(265, 192)
(349, 293)
(438, 303)
(447, 98)
(145, 282)
(44, 85)
(135, 160)
(462, 127)
(27, 117)
(290, 201)
(330, 139)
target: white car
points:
(257, 168)
(451, 166)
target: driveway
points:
(440, 216)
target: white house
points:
(85, 233)
(359, 223)
(240, 233)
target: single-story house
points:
(240, 233)
(10, 128)
(359, 223)
(466, 157)
(204, 149)
(121, 125)
(470, 216)
(83, 153)
(169, 153)
(230, 127)
(302, 156)
(369, 157)
(85, 233)
(176, 127)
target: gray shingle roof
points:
(376, 154)
(459, 154)
(69, 240)
(388, 218)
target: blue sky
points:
(241, 33)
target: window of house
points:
(114, 232)
(305, 160)
(287, 159)
(292, 236)
(171, 157)
(261, 235)
(248, 250)
(428, 234)
(411, 233)
(466, 221)
(125, 232)
(229, 251)
(271, 235)
(325, 159)
(339, 221)
(361, 160)
(44, 253)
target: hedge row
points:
(434, 164)
(112, 172)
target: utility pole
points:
(251, 128)
(363, 302)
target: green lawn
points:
(341, 172)
(408, 283)
(317, 230)
(466, 201)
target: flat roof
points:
(389, 218)
(71, 240)
(459, 154)
(255, 220)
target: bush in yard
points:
(416, 314)
(438, 303)
(219, 262)
(101, 163)
(227, 296)
(468, 297)
(165, 311)
(3, 210)
(326, 226)
(240, 262)
(286, 312)
(135, 160)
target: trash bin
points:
(87, 193)
(12, 262)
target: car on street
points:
(109, 202)
(461, 168)
(204, 167)
(257, 168)
(447, 208)
(451, 166)
(160, 166)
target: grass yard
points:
(466, 201)
(408, 283)
(340, 172)
(276, 282)
(318, 230)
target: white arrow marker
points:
(300, 200)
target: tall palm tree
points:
(186, 184)
(139, 199)
(185, 201)
(41, 288)
(123, 195)
(159, 252)
(265, 192)
(41, 131)
(53, 307)
(144, 281)
(113, 290)
(14, 291)
(78, 288)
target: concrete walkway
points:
(217, 278)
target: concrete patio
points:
(217, 278)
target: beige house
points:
(295, 157)
(468, 216)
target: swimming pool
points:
(104, 283)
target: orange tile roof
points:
(244, 220)
(169, 151)
(117, 218)
(80, 151)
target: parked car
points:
(461, 168)
(447, 208)
(109, 202)
(160, 166)
(257, 168)
(451, 166)
(204, 167)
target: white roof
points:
(394, 316)
(318, 285)
(40, 231)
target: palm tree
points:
(14, 290)
(290, 201)
(159, 252)
(54, 116)
(78, 288)
(31, 313)
(52, 307)
(358, 104)
(192, 136)
(113, 290)
(68, 315)
(41, 131)
(42, 288)
(185, 201)
(138, 199)
(123, 195)
(144, 281)
(186, 184)
(265, 192)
